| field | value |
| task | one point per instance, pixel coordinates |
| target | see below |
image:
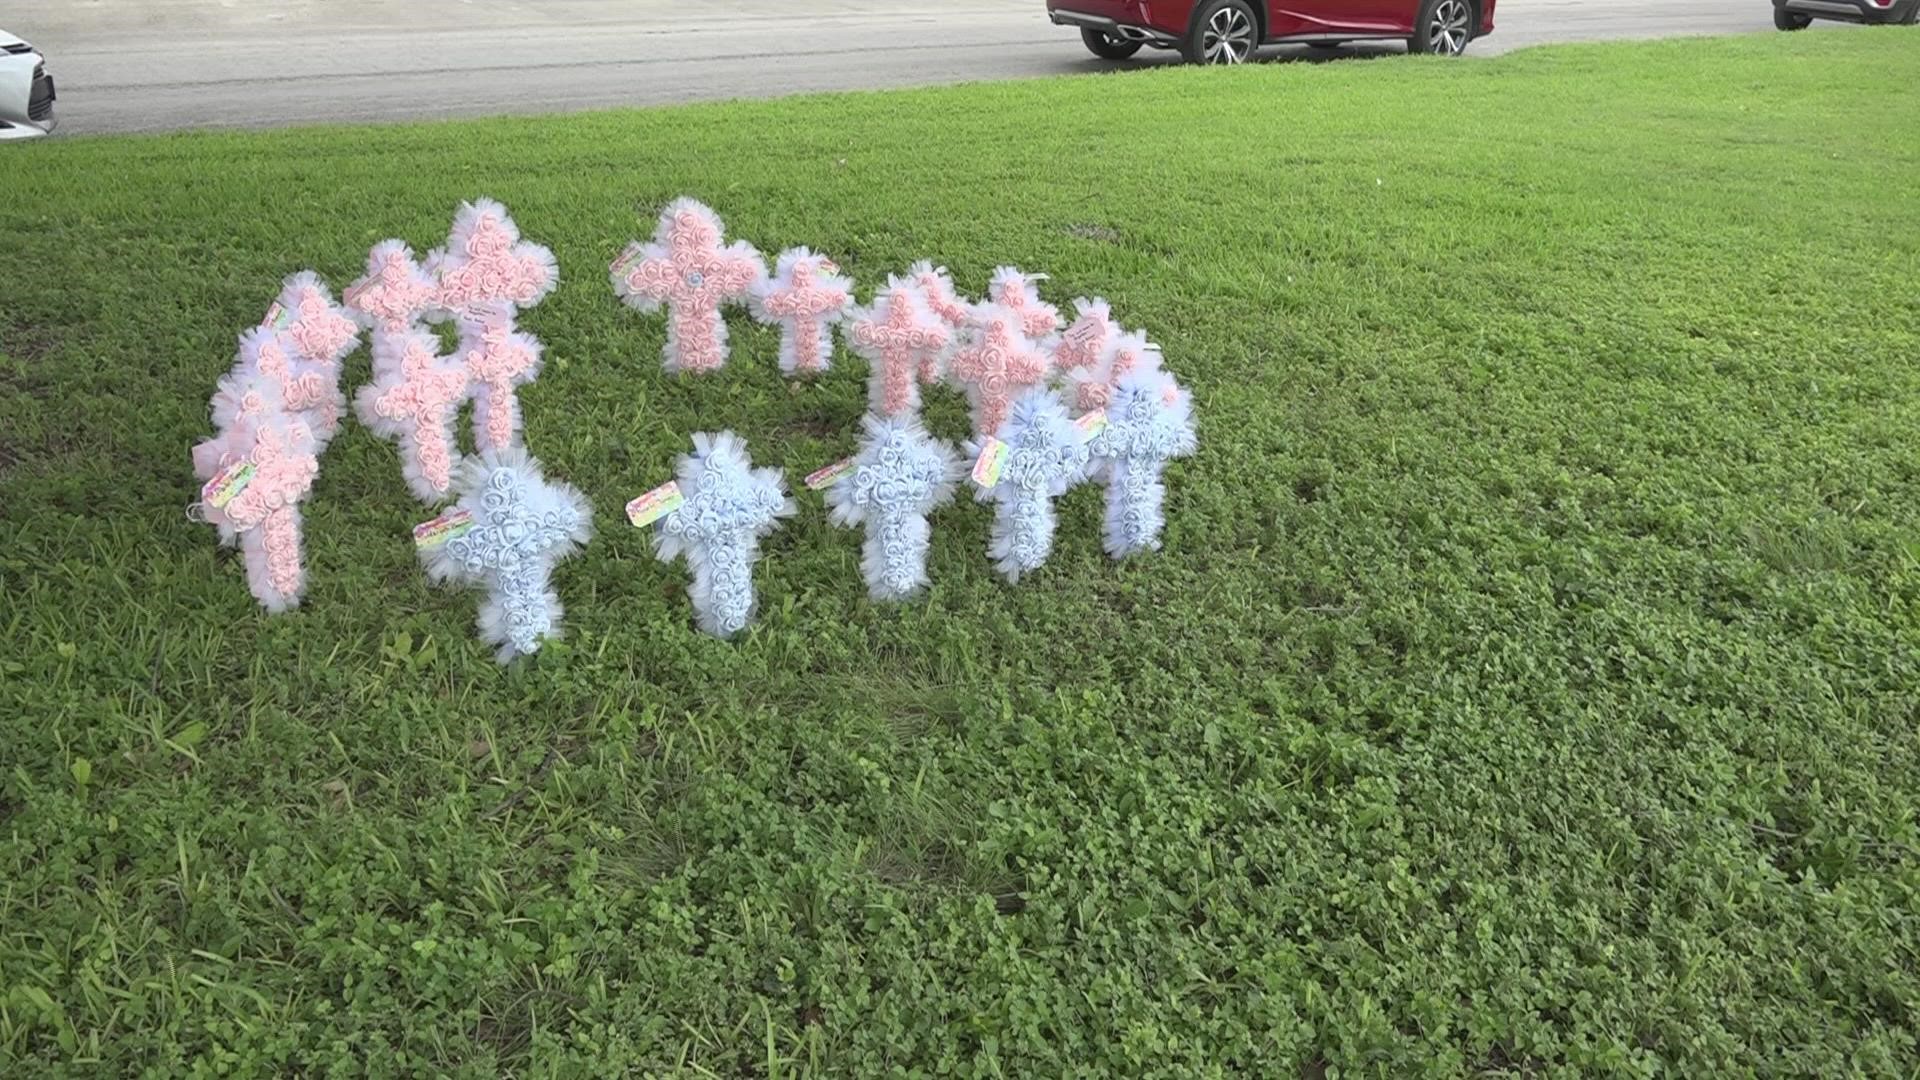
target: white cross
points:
(728, 506)
(1149, 423)
(521, 524)
(1047, 455)
(900, 475)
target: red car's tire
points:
(1790, 20)
(1106, 46)
(1223, 32)
(1444, 27)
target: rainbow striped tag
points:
(627, 256)
(655, 504)
(991, 462)
(227, 484)
(431, 534)
(828, 475)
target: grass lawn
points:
(1529, 684)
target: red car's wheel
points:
(1106, 46)
(1790, 20)
(1223, 32)
(1443, 28)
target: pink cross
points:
(485, 263)
(806, 296)
(497, 360)
(306, 313)
(936, 288)
(1086, 340)
(284, 469)
(1014, 288)
(246, 393)
(306, 386)
(936, 285)
(898, 334)
(414, 397)
(685, 268)
(394, 293)
(1124, 354)
(997, 364)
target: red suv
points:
(1227, 31)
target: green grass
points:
(1529, 684)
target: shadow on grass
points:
(1270, 54)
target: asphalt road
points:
(152, 65)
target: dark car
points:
(1227, 31)
(1799, 14)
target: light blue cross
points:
(900, 475)
(729, 506)
(521, 524)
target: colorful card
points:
(828, 475)
(632, 252)
(227, 484)
(276, 316)
(1091, 424)
(655, 504)
(991, 462)
(429, 534)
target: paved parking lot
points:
(147, 65)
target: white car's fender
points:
(16, 89)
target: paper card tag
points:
(655, 504)
(1091, 424)
(431, 534)
(991, 462)
(829, 266)
(277, 316)
(227, 484)
(627, 256)
(828, 475)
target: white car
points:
(26, 90)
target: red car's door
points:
(1289, 17)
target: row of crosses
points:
(1053, 403)
(688, 270)
(281, 403)
(1021, 366)
(1026, 377)
(916, 331)
(480, 280)
(509, 524)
